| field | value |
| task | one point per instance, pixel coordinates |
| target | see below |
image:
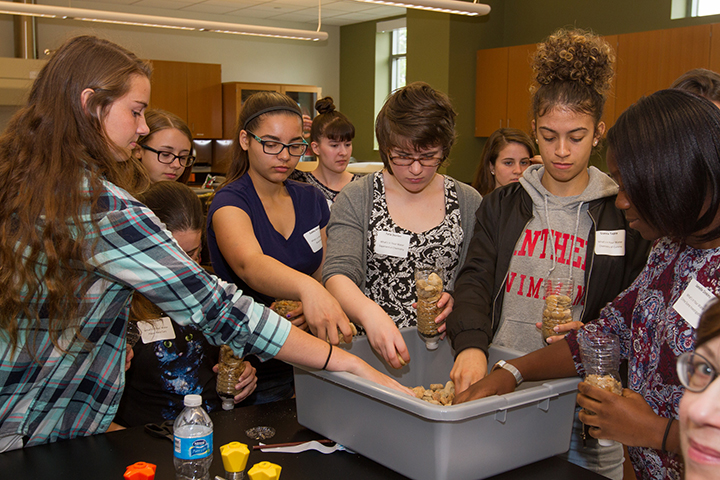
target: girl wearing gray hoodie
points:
(559, 221)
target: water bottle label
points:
(193, 448)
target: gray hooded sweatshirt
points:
(552, 245)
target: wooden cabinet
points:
(235, 93)
(192, 91)
(651, 61)
(502, 97)
(646, 62)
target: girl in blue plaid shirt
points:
(75, 246)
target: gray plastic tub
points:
(423, 441)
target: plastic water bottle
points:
(193, 433)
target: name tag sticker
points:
(692, 302)
(610, 242)
(392, 244)
(156, 330)
(314, 239)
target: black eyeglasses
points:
(695, 371)
(403, 161)
(273, 147)
(169, 157)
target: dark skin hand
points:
(627, 419)
(553, 361)
(496, 383)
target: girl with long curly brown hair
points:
(558, 223)
(75, 245)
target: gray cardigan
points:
(348, 229)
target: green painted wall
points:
(357, 85)
(441, 51)
(529, 21)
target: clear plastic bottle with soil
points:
(429, 286)
(600, 354)
(230, 367)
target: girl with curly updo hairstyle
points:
(331, 137)
(553, 224)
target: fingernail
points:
(287, 316)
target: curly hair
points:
(54, 155)
(330, 123)
(572, 68)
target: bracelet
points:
(328, 361)
(667, 431)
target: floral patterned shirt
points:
(391, 279)
(653, 335)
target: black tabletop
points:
(107, 455)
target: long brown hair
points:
(158, 120)
(54, 155)
(256, 107)
(484, 182)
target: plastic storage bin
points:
(429, 442)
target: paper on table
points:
(313, 445)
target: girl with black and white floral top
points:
(408, 215)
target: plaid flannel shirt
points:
(64, 395)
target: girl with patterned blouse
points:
(664, 152)
(384, 225)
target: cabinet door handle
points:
(508, 123)
(500, 123)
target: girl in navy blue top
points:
(267, 233)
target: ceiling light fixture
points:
(85, 15)
(456, 7)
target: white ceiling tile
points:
(335, 12)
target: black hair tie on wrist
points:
(665, 437)
(328, 361)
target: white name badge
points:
(692, 302)
(392, 244)
(610, 242)
(314, 239)
(156, 330)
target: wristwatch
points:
(510, 368)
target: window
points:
(694, 8)
(700, 8)
(390, 60)
(398, 58)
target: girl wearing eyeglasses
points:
(266, 233)
(664, 152)
(700, 405)
(408, 215)
(166, 152)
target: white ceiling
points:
(334, 12)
